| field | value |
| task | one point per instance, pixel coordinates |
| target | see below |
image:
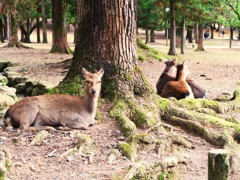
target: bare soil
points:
(217, 69)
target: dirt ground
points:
(217, 69)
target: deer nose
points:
(93, 91)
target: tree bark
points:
(172, 50)
(147, 36)
(196, 32)
(1, 31)
(218, 164)
(38, 30)
(13, 36)
(200, 38)
(189, 35)
(44, 23)
(6, 29)
(59, 42)
(152, 35)
(183, 36)
(109, 42)
(212, 32)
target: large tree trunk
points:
(59, 41)
(44, 23)
(172, 50)
(109, 42)
(200, 38)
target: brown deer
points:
(169, 74)
(66, 111)
(180, 88)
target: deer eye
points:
(88, 82)
(99, 82)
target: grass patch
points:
(147, 53)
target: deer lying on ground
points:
(180, 88)
(170, 74)
(66, 111)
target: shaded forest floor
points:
(218, 69)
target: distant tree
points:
(26, 10)
(10, 7)
(150, 17)
(172, 49)
(59, 34)
(71, 15)
(44, 22)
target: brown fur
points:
(46, 111)
(180, 88)
(197, 89)
(169, 74)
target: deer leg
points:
(40, 128)
(77, 125)
(8, 123)
(27, 118)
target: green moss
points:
(141, 44)
(144, 138)
(197, 104)
(142, 116)
(141, 56)
(163, 104)
(127, 77)
(74, 87)
(236, 94)
(110, 88)
(128, 150)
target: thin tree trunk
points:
(147, 36)
(196, 32)
(152, 35)
(6, 28)
(200, 38)
(1, 31)
(59, 42)
(38, 30)
(167, 34)
(22, 37)
(44, 23)
(183, 36)
(13, 35)
(189, 35)
(172, 50)
(212, 32)
(231, 33)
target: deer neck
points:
(90, 103)
(182, 76)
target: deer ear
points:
(84, 71)
(101, 72)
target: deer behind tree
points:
(180, 88)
